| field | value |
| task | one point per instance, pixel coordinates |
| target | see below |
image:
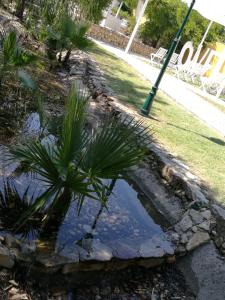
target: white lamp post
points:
(136, 26)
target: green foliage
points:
(91, 10)
(66, 34)
(76, 165)
(132, 4)
(13, 57)
(164, 18)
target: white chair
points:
(158, 56)
(173, 60)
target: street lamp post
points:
(149, 100)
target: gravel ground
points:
(138, 284)
(162, 283)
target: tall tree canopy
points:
(164, 17)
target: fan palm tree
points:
(77, 164)
(66, 34)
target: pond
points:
(127, 228)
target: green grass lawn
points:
(202, 148)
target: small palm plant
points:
(66, 34)
(13, 58)
(78, 164)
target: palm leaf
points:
(40, 159)
(9, 46)
(115, 148)
(73, 135)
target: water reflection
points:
(116, 230)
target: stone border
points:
(119, 40)
(201, 220)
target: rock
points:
(184, 239)
(171, 259)
(116, 290)
(96, 250)
(156, 247)
(6, 259)
(19, 297)
(206, 214)
(205, 225)
(12, 242)
(194, 193)
(219, 241)
(196, 217)
(219, 214)
(214, 233)
(197, 239)
(223, 245)
(185, 223)
(106, 291)
(175, 237)
(181, 250)
(194, 228)
(2, 239)
(76, 71)
(13, 283)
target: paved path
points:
(176, 89)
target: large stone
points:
(95, 250)
(194, 193)
(219, 214)
(206, 214)
(156, 247)
(185, 223)
(204, 272)
(196, 216)
(197, 239)
(205, 225)
(6, 260)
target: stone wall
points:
(119, 40)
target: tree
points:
(91, 10)
(164, 18)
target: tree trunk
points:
(67, 57)
(20, 9)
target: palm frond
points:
(40, 159)
(9, 46)
(73, 134)
(115, 148)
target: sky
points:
(211, 9)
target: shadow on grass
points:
(123, 80)
(209, 138)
